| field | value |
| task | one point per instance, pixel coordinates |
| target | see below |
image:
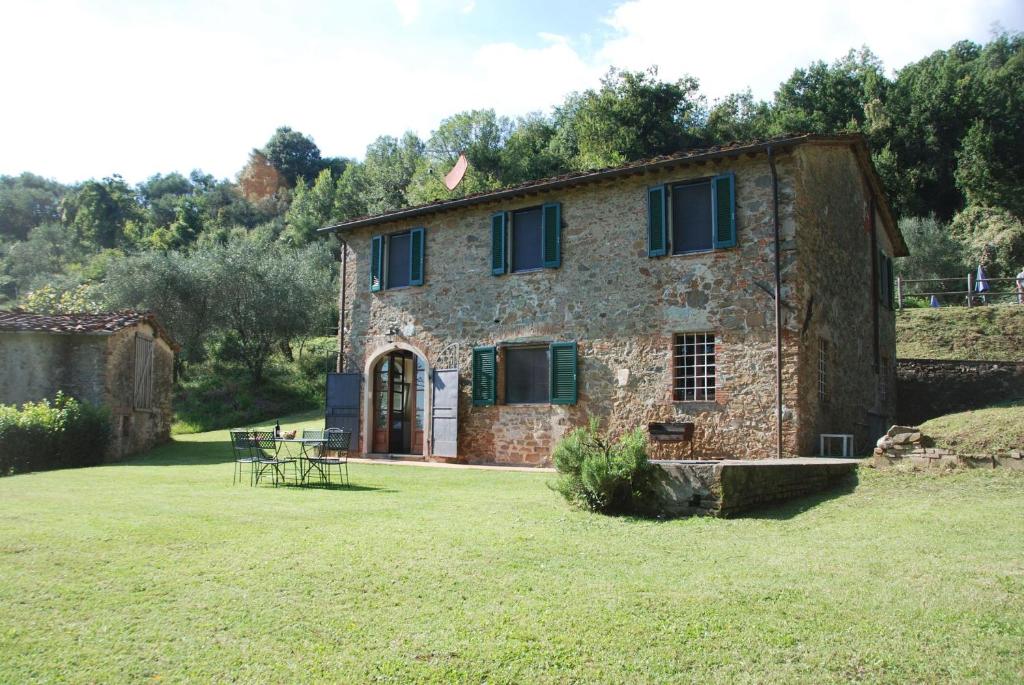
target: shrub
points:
(43, 435)
(597, 473)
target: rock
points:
(884, 442)
(901, 438)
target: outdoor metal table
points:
(303, 443)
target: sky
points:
(94, 88)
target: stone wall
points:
(134, 430)
(837, 300)
(620, 306)
(728, 488)
(907, 445)
(96, 368)
(933, 387)
(34, 366)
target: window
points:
(691, 217)
(396, 260)
(694, 368)
(695, 216)
(886, 291)
(527, 239)
(534, 374)
(822, 370)
(526, 375)
(143, 394)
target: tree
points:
(311, 208)
(293, 154)
(388, 170)
(259, 179)
(992, 237)
(633, 115)
(98, 211)
(737, 117)
(934, 252)
(26, 201)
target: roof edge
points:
(581, 178)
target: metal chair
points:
(337, 441)
(311, 435)
(242, 451)
(266, 450)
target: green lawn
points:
(992, 332)
(159, 570)
(999, 428)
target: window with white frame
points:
(693, 358)
(822, 370)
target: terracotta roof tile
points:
(104, 323)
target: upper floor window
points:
(396, 260)
(527, 239)
(694, 367)
(695, 216)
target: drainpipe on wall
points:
(778, 304)
(341, 305)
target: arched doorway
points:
(398, 403)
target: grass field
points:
(158, 570)
(999, 428)
(993, 332)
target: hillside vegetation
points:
(999, 428)
(992, 333)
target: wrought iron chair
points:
(337, 441)
(242, 450)
(267, 452)
(308, 448)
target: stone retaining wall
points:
(730, 487)
(907, 445)
(927, 388)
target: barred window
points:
(822, 370)
(694, 368)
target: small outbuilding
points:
(123, 361)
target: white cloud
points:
(469, 7)
(758, 44)
(154, 90)
(408, 10)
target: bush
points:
(41, 436)
(599, 474)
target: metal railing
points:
(947, 293)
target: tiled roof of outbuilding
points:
(69, 324)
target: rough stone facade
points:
(933, 387)
(623, 308)
(97, 368)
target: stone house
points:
(123, 361)
(482, 329)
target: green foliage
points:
(311, 208)
(27, 201)
(98, 211)
(934, 252)
(42, 435)
(293, 154)
(250, 292)
(49, 300)
(632, 115)
(220, 392)
(600, 474)
(993, 238)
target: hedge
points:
(42, 435)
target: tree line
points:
(946, 133)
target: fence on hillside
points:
(957, 292)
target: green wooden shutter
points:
(657, 225)
(376, 263)
(499, 233)
(883, 295)
(889, 289)
(562, 387)
(723, 210)
(485, 375)
(552, 235)
(416, 241)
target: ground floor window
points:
(694, 367)
(526, 375)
